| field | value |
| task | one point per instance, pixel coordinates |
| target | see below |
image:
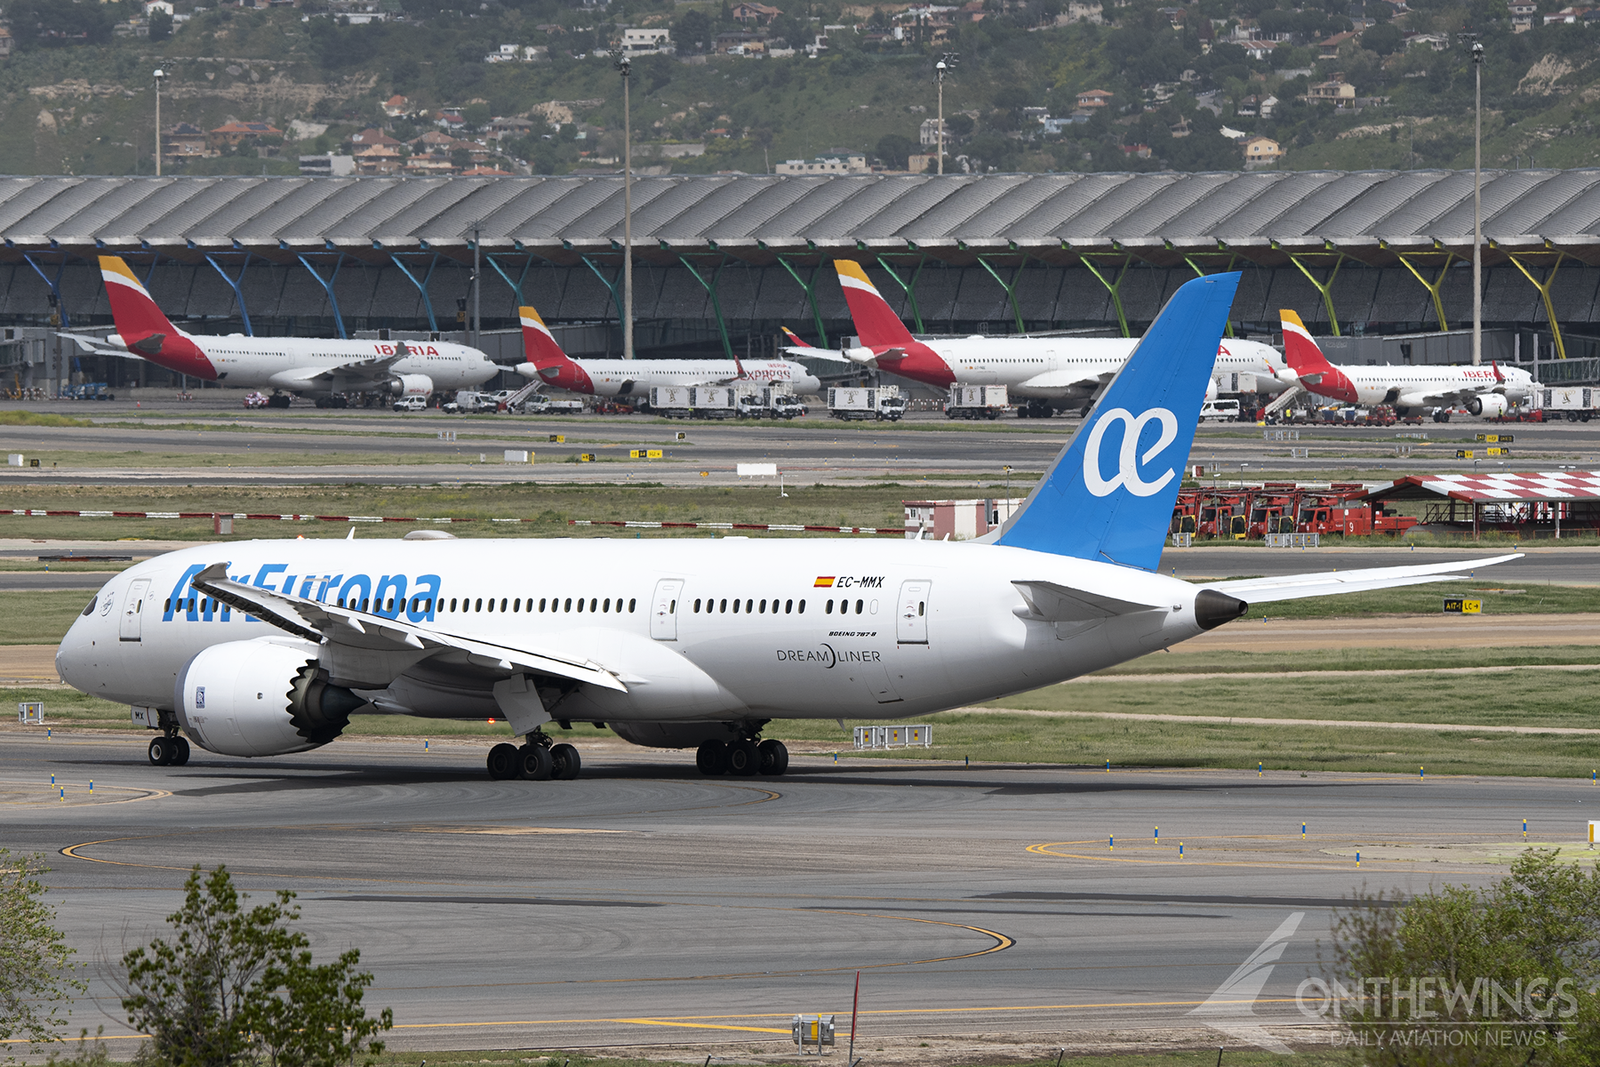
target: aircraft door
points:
(133, 610)
(911, 621)
(664, 609)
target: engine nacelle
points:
(409, 385)
(1213, 388)
(265, 697)
(1489, 405)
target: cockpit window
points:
(89, 608)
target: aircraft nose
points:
(75, 653)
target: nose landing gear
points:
(169, 750)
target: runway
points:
(148, 445)
(645, 905)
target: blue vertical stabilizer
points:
(1109, 495)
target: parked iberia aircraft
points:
(258, 648)
(1049, 373)
(300, 365)
(548, 363)
(1487, 391)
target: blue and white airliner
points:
(262, 648)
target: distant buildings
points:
(835, 162)
(1094, 98)
(1261, 152)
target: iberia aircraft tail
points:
(545, 359)
(144, 329)
(1309, 365)
(876, 323)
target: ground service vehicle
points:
(88, 391)
(881, 402)
(976, 402)
(411, 403)
(324, 630)
(1575, 403)
(1219, 411)
(768, 402)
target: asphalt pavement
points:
(646, 905)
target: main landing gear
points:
(743, 758)
(537, 761)
(169, 750)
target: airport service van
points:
(694, 401)
(540, 404)
(1573, 403)
(1219, 411)
(881, 402)
(769, 402)
(976, 402)
(411, 403)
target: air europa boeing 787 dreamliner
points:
(266, 647)
(302, 365)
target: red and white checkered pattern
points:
(1495, 488)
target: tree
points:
(1426, 982)
(894, 150)
(160, 25)
(693, 33)
(238, 987)
(36, 979)
(477, 116)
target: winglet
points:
(794, 339)
(1109, 495)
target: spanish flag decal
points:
(823, 583)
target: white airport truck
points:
(1575, 403)
(881, 402)
(768, 402)
(694, 401)
(976, 402)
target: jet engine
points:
(1489, 405)
(263, 697)
(409, 385)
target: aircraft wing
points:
(366, 637)
(807, 352)
(1326, 583)
(374, 370)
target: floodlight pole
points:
(159, 74)
(940, 69)
(477, 243)
(625, 66)
(1477, 201)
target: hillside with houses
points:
(340, 87)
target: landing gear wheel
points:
(744, 758)
(566, 762)
(161, 751)
(504, 762)
(712, 758)
(536, 764)
(774, 757)
(181, 754)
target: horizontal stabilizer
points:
(1058, 603)
(1326, 583)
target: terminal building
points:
(1377, 262)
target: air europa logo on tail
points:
(1128, 458)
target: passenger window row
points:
(595, 605)
(844, 607)
(750, 606)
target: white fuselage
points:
(303, 363)
(1057, 368)
(906, 628)
(1425, 386)
(636, 377)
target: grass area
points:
(40, 618)
(549, 505)
(1007, 734)
(18, 417)
(1351, 659)
(1518, 598)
